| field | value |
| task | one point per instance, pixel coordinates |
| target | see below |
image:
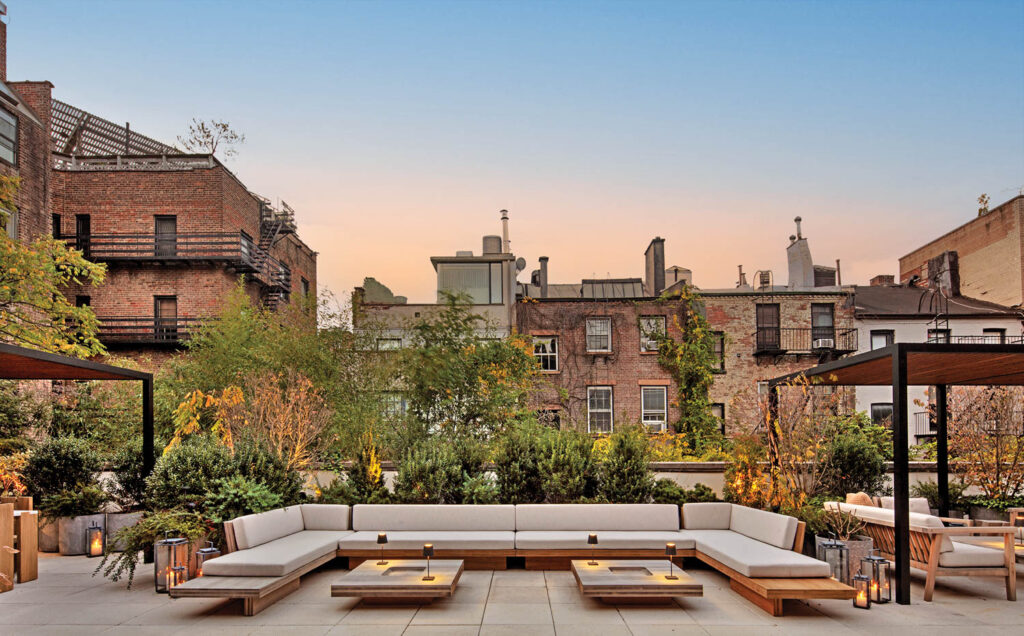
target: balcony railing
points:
(923, 425)
(800, 340)
(146, 329)
(985, 339)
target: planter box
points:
(49, 533)
(116, 521)
(859, 548)
(988, 514)
(72, 533)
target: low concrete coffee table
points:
(620, 581)
(400, 581)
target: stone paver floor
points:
(67, 599)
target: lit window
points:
(8, 137)
(389, 344)
(599, 409)
(546, 351)
(599, 334)
(653, 400)
(652, 328)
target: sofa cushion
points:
(376, 517)
(595, 517)
(257, 529)
(754, 558)
(707, 516)
(325, 516)
(859, 498)
(966, 555)
(607, 540)
(442, 540)
(278, 557)
(887, 517)
(767, 527)
(917, 504)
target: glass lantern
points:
(95, 540)
(862, 598)
(170, 563)
(837, 555)
(877, 570)
(205, 554)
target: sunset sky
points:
(398, 130)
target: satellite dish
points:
(520, 264)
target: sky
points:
(398, 130)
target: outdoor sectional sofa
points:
(759, 551)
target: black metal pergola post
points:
(900, 476)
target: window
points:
(882, 338)
(881, 413)
(994, 336)
(83, 301)
(395, 405)
(165, 314)
(9, 220)
(305, 287)
(769, 335)
(938, 335)
(651, 329)
(8, 137)
(83, 228)
(545, 349)
(653, 406)
(389, 344)
(55, 225)
(166, 230)
(718, 410)
(718, 349)
(823, 322)
(481, 282)
(599, 334)
(599, 409)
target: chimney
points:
(543, 276)
(742, 282)
(504, 233)
(654, 267)
(883, 279)
(801, 267)
(3, 43)
(944, 273)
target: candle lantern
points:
(382, 538)
(428, 551)
(592, 541)
(95, 540)
(837, 555)
(861, 599)
(877, 570)
(670, 551)
(170, 563)
(205, 554)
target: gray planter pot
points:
(116, 521)
(49, 532)
(987, 514)
(72, 533)
(859, 548)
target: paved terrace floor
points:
(67, 599)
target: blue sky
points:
(399, 129)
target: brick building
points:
(991, 255)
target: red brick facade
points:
(32, 164)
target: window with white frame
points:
(8, 137)
(599, 335)
(395, 405)
(653, 406)
(882, 338)
(652, 328)
(389, 344)
(599, 409)
(545, 349)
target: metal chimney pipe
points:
(839, 275)
(798, 234)
(504, 233)
(543, 276)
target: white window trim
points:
(645, 335)
(644, 410)
(610, 411)
(607, 320)
(554, 354)
(390, 342)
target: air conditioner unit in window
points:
(823, 343)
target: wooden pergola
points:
(19, 363)
(916, 364)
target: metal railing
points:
(780, 340)
(146, 329)
(132, 162)
(984, 339)
(923, 425)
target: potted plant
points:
(58, 468)
(74, 511)
(845, 528)
(136, 539)
(127, 489)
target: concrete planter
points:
(116, 521)
(72, 532)
(49, 532)
(988, 514)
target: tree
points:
(986, 439)
(208, 136)
(34, 311)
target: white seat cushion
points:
(607, 540)
(325, 516)
(278, 557)
(767, 527)
(595, 517)
(442, 540)
(257, 529)
(707, 516)
(966, 555)
(753, 558)
(377, 517)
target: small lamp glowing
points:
(94, 540)
(861, 583)
(382, 538)
(670, 551)
(428, 551)
(592, 541)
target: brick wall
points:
(33, 160)
(291, 251)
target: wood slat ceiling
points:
(17, 363)
(931, 368)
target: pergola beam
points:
(900, 476)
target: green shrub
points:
(930, 491)
(87, 500)
(480, 489)
(18, 411)
(153, 526)
(187, 472)
(238, 496)
(258, 464)
(128, 486)
(668, 491)
(854, 464)
(517, 456)
(364, 476)
(567, 467)
(431, 473)
(14, 445)
(625, 474)
(60, 464)
(338, 492)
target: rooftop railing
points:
(132, 162)
(804, 340)
(146, 329)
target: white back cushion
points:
(433, 517)
(325, 516)
(597, 517)
(707, 516)
(767, 527)
(262, 527)
(887, 517)
(917, 504)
